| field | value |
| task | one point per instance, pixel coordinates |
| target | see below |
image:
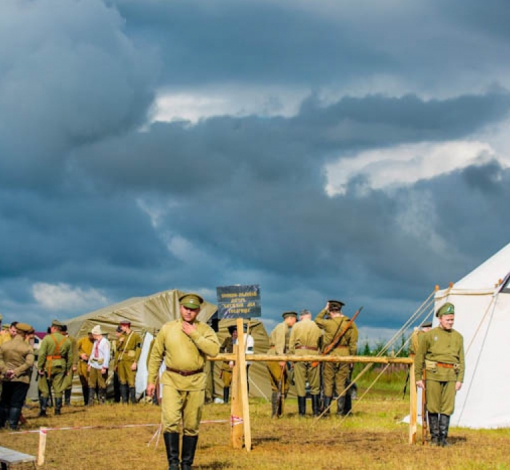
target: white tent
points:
(482, 316)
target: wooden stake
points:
(42, 446)
(413, 406)
(243, 382)
(236, 410)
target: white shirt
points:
(100, 356)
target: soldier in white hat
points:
(98, 366)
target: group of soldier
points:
(56, 360)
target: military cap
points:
(446, 309)
(427, 325)
(57, 323)
(125, 322)
(335, 304)
(24, 327)
(97, 330)
(289, 314)
(191, 300)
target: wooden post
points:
(42, 446)
(413, 406)
(243, 382)
(236, 410)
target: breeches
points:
(97, 379)
(179, 405)
(57, 382)
(13, 395)
(226, 377)
(440, 397)
(304, 371)
(126, 375)
(335, 375)
(278, 377)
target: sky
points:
(324, 150)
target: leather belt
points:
(445, 365)
(311, 348)
(53, 357)
(184, 373)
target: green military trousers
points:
(440, 397)
(185, 405)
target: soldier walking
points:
(306, 339)
(441, 354)
(54, 363)
(183, 345)
(335, 375)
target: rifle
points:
(337, 338)
(424, 409)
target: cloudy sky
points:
(328, 149)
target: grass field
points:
(373, 438)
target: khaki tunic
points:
(441, 355)
(183, 396)
(306, 339)
(55, 359)
(68, 381)
(18, 356)
(129, 348)
(278, 345)
(226, 347)
(83, 346)
(4, 337)
(335, 374)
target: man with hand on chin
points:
(183, 345)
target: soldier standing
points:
(441, 353)
(54, 363)
(306, 339)
(335, 375)
(98, 366)
(278, 376)
(183, 345)
(129, 348)
(69, 377)
(84, 350)
(16, 361)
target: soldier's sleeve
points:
(138, 347)
(76, 356)
(28, 364)
(292, 342)
(69, 360)
(206, 341)
(321, 318)
(223, 347)
(419, 359)
(3, 367)
(353, 340)
(156, 357)
(462, 363)
(42, 354)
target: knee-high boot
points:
(67, 397)
(274, 405)
(434, 428)
(124, 390)
(172, 449)
(327, 405)
(58, 405)
(14, 414)
(301, 406)
(189, 446)
(444, 424)
(226, 393)
(315, 405)
(132, 395)
(340, 405)
(43, 404)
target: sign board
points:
(239, 301)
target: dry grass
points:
(371, 439)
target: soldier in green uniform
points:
(335, 375)
(227, 347)
(278, 376)
(54, 363)
(441, 354)
(16, 361)
(306, 339)
(183, 345)
(129, 348)
(417, 336)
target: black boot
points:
(43, 404)
(4, 412)
(132, 395)
(172, 449)
(124, 392)
(444, 424)
(340, 405)
(226, 393)
(67, 396)
(274, 405)
(14, 414)
(327, 405)
(85, 391)
(58, 405)
(102, 396)
(434, 428)
(301, 406)
(315, 405)
(90, 400)
(189, 446)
